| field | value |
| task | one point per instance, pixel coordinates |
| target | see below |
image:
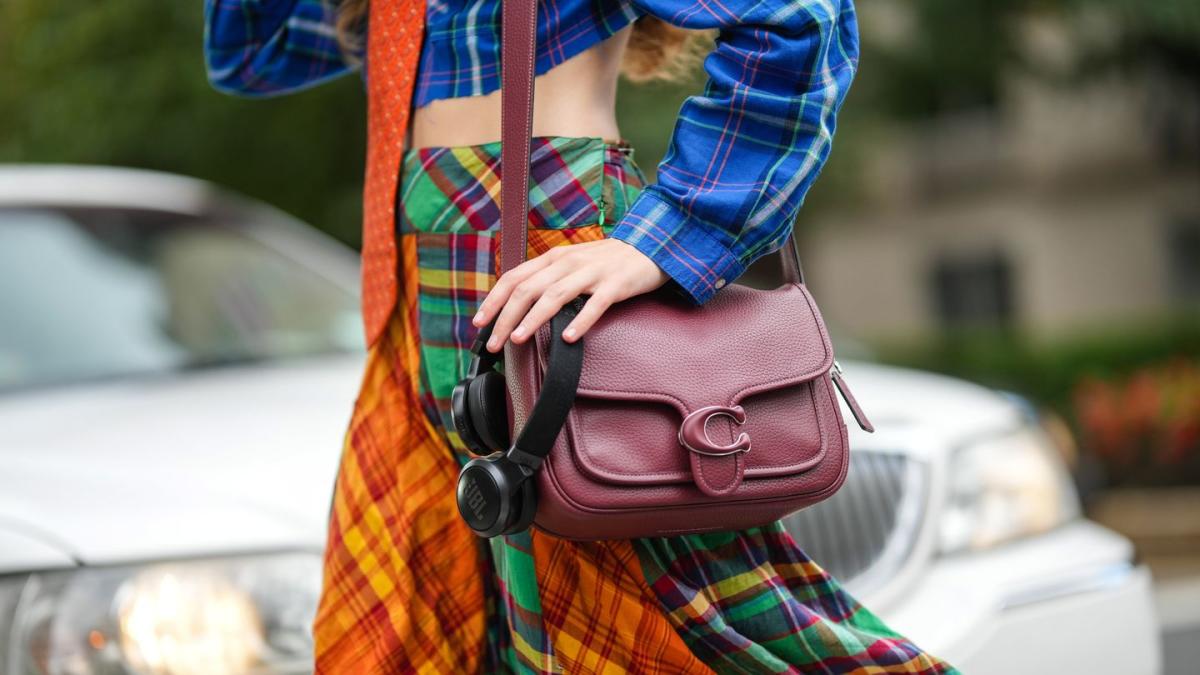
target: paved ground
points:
(1178, 603)
(1164, 525)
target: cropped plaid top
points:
(742, 155)
(461, 52)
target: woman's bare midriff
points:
(575, 98)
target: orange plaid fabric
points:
(601, 615)
(403, 574)
(403, 589)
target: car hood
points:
(899, 398)
(244, 459)
(23, 549)
(209, 462)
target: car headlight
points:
(1004, 487)
(213, 617)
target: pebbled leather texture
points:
(619, 469)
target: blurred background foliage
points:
(123, 83)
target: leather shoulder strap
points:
(518, 46)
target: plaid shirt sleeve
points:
(744, 153)
(270, 47)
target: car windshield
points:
(105, 293)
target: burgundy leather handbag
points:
(686, 418)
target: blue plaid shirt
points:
(742, 155)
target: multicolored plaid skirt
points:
(408, 588)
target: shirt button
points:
(720, 284)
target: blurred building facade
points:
(1073, 203)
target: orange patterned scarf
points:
(393, 50)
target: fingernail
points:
(493, 343)
(478, 317)
(569, 333)
(519, 332)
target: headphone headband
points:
(563, 369)
(483, 359)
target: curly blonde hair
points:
(657, 50)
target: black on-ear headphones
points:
(495, 493)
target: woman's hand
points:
(531, 293)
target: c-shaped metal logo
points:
(694, 436)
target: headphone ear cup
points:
(460, 414)
(487, 402)
(482, 495)
(524, 508)
(496, 496)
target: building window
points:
(1183, 260)
(973, 291)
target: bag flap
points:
(742, 342)
(653, 354)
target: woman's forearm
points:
(745, 152)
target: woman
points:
(408, 588)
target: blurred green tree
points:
(123, 83)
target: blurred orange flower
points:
(1149, 419)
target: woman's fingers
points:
(592, 310)
(529, 295)
(521, 297)
(553, 299)
(503, 288)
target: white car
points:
(177, 369)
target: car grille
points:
(866, 530)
